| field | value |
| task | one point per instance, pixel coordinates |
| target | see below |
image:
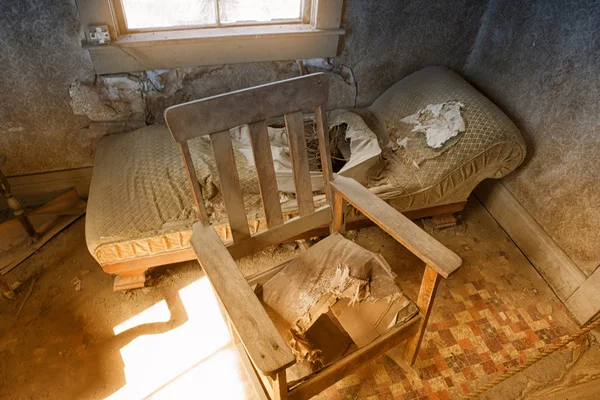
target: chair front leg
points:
(338, 223)
(429, 285)
(279, 384)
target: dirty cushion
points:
(340, 276)
(417, 177)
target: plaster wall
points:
(540, 62)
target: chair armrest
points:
(407, 233)
(263, 343)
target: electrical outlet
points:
(99, 34)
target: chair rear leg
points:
(429, 285)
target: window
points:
(139, 15)
(155, 34)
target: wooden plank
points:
(545, 255)
(267, 182)
(429, 285)
(188, 254)
(265, 346)
(292, 228)
(421, 244)
(363, 222)
(188, 163)
(328, 13)
(279, 385)
(334, 372)
(281, 233)
(222, 112)
(189, 52)
(339, 213)
(294, 126)
(34, 190)
(266, 382)
(140, 263)
(48, 221)
(325, 150)
(584, 303)
(230, 185)
(252, 374)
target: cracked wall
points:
(54, 108)
(40, 56)
(540, 62)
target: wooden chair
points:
(265, 348)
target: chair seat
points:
(350, 284)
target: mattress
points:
(417, 177)
(140, 203)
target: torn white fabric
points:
(439, 122)
(364, 150)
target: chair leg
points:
(280, 391)
(431, 279)
(130, 280)
(338, 223)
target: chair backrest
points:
(214, 116)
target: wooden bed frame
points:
(132, 274)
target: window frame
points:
(120, 20)
(317, 35)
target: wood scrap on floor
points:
(16, 245)
(29, 291)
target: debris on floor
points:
(495, 312)
(48, 220)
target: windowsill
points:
(228, 33)
(210, 46)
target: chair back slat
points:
(257, 107)
(226, 111)
(324, 148)
(294, 126)
(193, 180)
(230, 185)
(267, 182)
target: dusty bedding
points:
(140, 203)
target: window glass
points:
(141, 14)
(258, 10)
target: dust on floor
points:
(169, 340)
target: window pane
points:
(259, 10)
(160, 13)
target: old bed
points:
(140, 209)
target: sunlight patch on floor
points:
(194, 360)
